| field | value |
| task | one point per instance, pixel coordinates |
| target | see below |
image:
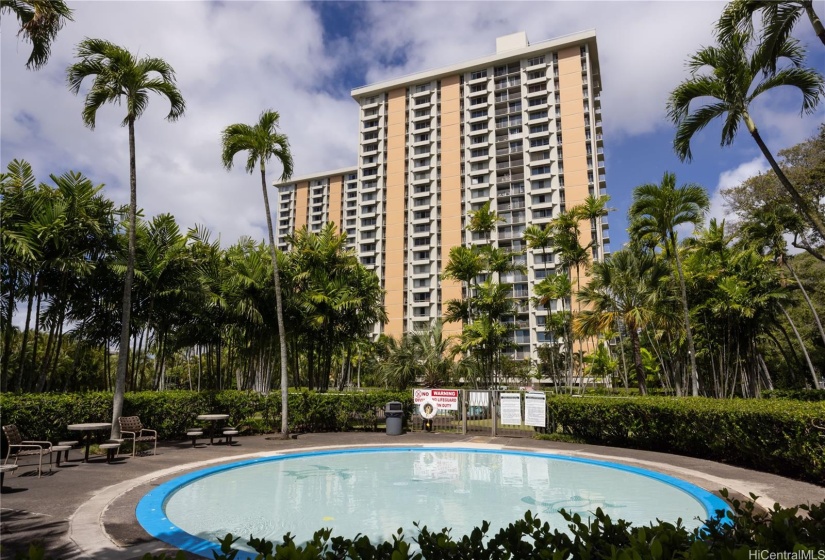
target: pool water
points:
(376, 491)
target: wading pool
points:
(377, 490)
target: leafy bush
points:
(796, 394)
(773, 435)
(46, 415)
(741, 533)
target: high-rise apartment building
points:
(520, 129)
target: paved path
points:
(86, 510)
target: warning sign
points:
(444, 399)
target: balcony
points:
(509, 178)
(509, 191)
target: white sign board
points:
(511, 408)
(444, 399)
(479, 398)
(535, 409)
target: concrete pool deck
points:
(87, 510)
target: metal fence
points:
(479, 413)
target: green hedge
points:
(773, 435)
(46, 416)
(796, 394)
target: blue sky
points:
(234, 59)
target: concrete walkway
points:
(87, 510)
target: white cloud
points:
(732, 178)
(234, 59)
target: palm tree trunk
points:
(278, 307)
(18, 385)
(7, 331)
(813, 218)
(808, 300)
(802, 346)
(637, 360)
(694, 373)
(819, 29)
(126, 313)
(35, 334)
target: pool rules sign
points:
(535, 409)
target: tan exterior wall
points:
(451, 208)
(394, 217)
(574, 144)
(301, 204)
(336, 191)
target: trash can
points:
(394, 413)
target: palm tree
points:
(484, 220)
(656, 212)
(40, 20)
(735, 81)
(119, 76)
(766, 228)
(557, 287)
(778, 19)
(627, 288)
(592, 210)
(263, 141)
(433, 350)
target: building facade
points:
(520, 129)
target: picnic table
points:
(88, 428)
(216, 420)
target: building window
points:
(478, 75)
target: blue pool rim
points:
(151, 515)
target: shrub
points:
(740, 534)
(796, 394)
(773, 435)
(46, 416)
